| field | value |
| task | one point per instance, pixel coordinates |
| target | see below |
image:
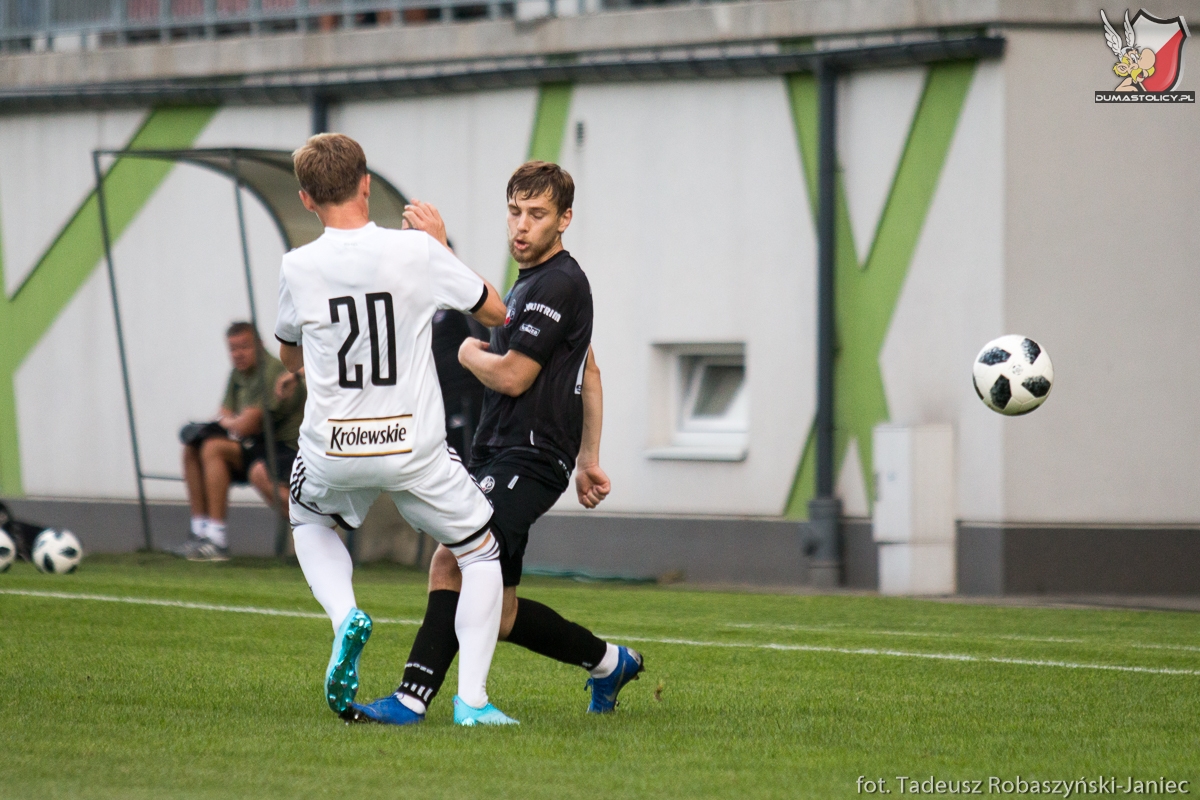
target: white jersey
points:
(360, 302)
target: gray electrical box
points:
(914, 512)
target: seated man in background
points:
(233, 448)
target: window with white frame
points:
(709, 403)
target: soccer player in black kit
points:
(541, 415)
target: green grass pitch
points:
(745, 695)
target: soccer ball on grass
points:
(8, 551)
(56, 550)
(1013, 375)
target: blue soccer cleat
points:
(341, 679)
(488, 715)
(605, 690)
(386, 711)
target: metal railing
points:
(41, 25)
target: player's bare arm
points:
(492, 312)
(292, 356)
(510, 374)
(285, 387)
(591, 482)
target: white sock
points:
(477, 621)
(214, 531)
(411, 703)
(198, 524)
(327, 568)
(608, 663)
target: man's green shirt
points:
(246, 390)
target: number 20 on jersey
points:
(382, 374)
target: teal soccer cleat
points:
(605, 690)
(341, 679)
(488, 715)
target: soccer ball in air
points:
(1013, 375)
(8, 551)
(56, 551)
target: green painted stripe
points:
(545, 143)
(867, 294)
(554, 104)
(70, 260)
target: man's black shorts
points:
(518, 500)
(255, 449)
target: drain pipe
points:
(319, 107)
(824, 510)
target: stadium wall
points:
(1112, 300)
(975, 200)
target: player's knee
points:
(308, 533)
(508, 614)
(479, 548)
(444, 572)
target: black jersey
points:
(550, 320)
(462, 393)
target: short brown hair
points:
(329, 167)
(536, 178)
(238, 328)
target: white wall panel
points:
(455, 151)
(952, 302)
(274, 127)
(1103, 228)
(181, 282)
(46, 174)
(875, 110)
(692, 224)
(71, 412)
(850, 488)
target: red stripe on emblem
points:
(1166, 65)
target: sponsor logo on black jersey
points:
(544, 309)
(487, 484)
(532, 331)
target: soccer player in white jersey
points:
(355, 308)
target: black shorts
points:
(255, 449)
(518, 500)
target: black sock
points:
(434, 648)
(543, 630)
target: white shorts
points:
(446, 504)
